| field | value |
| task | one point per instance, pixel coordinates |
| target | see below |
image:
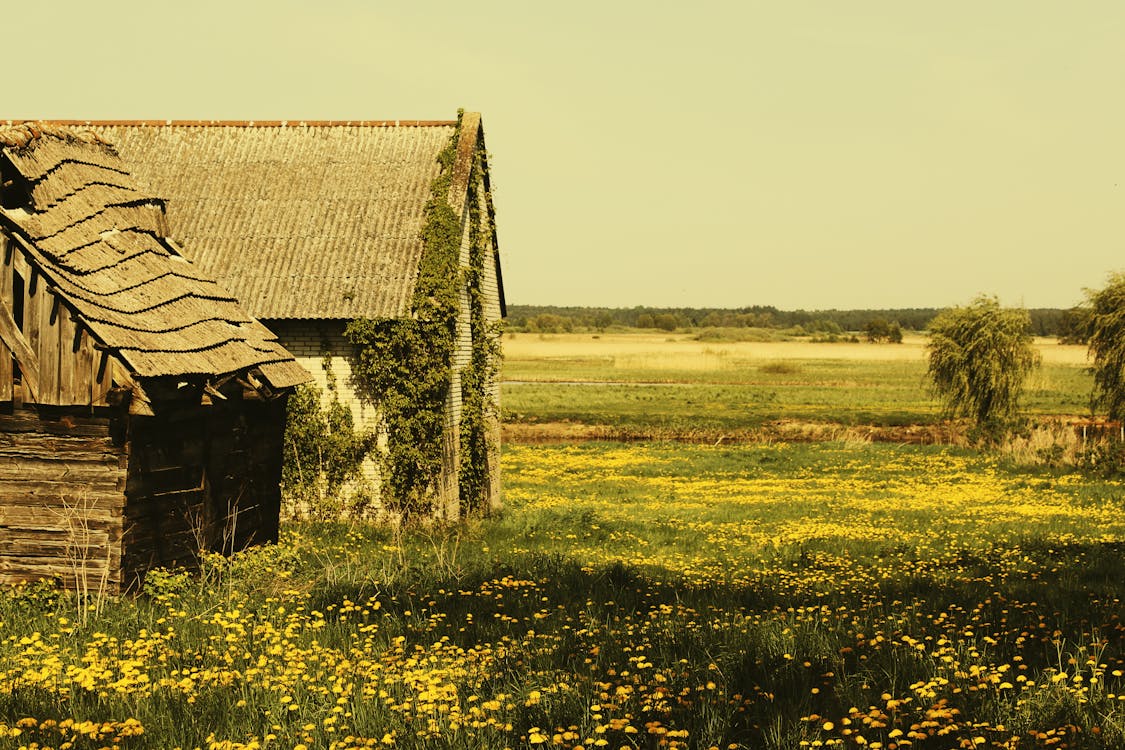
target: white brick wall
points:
(307, 341)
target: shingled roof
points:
(100, 243)
(317, 220)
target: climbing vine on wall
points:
(405, 365)
(478, 407)
(323, 452)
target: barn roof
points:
(100, 243)
(317, 219)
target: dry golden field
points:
(659, 385)
(681, 351)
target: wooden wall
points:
(315, 343)
(202, 479)
(62, 479)
(95, 502)
(67, 362)
(94, 496)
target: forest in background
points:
(559, 319)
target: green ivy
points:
(478, 408)
(323, 452)
(406, 365)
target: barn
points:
(318, 227)
(141, 409)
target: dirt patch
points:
(788, 431)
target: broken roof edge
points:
(282, 371)
(243, 123)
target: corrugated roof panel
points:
(283, 216)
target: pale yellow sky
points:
(799, 154)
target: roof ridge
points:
(247, 123)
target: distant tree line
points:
(885, 325)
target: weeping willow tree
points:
(1102, 320)
(979, 358)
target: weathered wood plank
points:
(22, 509)
(90, 459)
(69, 389)
(18, 490)
(93, 553)
(7, 298)
(7, 374)
(61, 438)
(43, 320)
(79, 454)
(64, 484)
(46, 444)
(25, 568)
(20, 266)
(16, 343)
(107, 461)
(32, 295)
(17, 522)
(28, 518)
(59, 496)
(57, 471)
(31, 420)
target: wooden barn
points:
(141, 410)
(313, 225)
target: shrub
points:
(879, 329)
(979, 357)
(1103, 318)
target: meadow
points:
(652, 385)
(660, 594)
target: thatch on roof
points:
(100, 243)
(315, 221)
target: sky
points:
(807, 154)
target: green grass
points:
(757, 596)
(717, 369)
(846, 392)
(660, 595)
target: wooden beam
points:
(7, 274)
(14, 340)
(103, 361)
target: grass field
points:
(646, 383)
(821, 595)
(847, 594)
